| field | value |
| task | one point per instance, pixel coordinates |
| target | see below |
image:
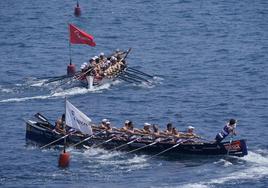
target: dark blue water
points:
(210, 62)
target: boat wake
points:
(255, 167)
(58, 91)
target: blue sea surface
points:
(210, 62)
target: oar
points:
(125, 79)
(116, 148)
(139, 72)
(135, 76)
(43, 119)
(176, 145)
(51, 77)
(77, 77)
(142, 147)
(129, 79)
(54, 141)
(86, 139)
(100, 144)
(57, 79)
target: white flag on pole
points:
(76, 119)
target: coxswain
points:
(229, 128)
(59, 124)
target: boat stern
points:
(237, 148)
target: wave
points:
(256, 168)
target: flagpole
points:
(64, 147)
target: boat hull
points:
(42, 135)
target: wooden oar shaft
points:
(54, 141)
(101, 143)
(86, 139)
(129, 78)
(165, 150)
(142, 147)
(139, 72)
(135, 76)
(116, 148)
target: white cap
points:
(147, 124)
(93, 58)
(101, 54)
(104, 120)
(108, 123)
(127, 121)
(108, 62)
(85, 63)
(96, 57)
(82, 66)
(190, 127)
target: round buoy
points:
(71, 69)
(64, 159)
(77, 10)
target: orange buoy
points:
(64, 159)
(77, 10)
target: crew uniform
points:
(227, 129)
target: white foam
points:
(38, 84)
(224, 162)
(256, 169)
(24, 98)
(60, 93)
(5, 90)
(192, 185)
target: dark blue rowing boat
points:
(41, 133)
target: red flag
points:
(78, 36)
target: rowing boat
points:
(105, 71)
(41, 133)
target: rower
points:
(229, 128)
(125, 126)
(108, 126)
(175, 133)
(103, 124)
(102, 57)
(146, 129)
(156, 132)
(128, 127)
(84, 67)
(168, 131)
(190, 132)
(59, 124)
